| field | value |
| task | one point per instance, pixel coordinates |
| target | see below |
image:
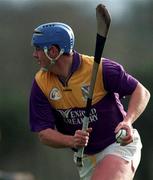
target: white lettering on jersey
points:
(75, 117)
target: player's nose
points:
(35, 54)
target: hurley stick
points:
(103, 23)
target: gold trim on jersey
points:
(74, 95)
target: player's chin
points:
(38, 61)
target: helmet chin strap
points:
(52, 60)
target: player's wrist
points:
(129, 120)
(70, 142)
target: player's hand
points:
(129, 132)
(103, 20)
(81, 138)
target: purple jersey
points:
(105, 114)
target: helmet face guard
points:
(49, 34)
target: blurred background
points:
(130, 42)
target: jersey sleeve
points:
(116, 79)
(40, 111)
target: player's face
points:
(40, 57)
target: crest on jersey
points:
(85, 91)
(55, 94)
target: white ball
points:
(120, 135)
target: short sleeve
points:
(40, 111)
(116, 79)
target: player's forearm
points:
(137, 103)
(55, 139)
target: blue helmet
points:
(55, 33)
